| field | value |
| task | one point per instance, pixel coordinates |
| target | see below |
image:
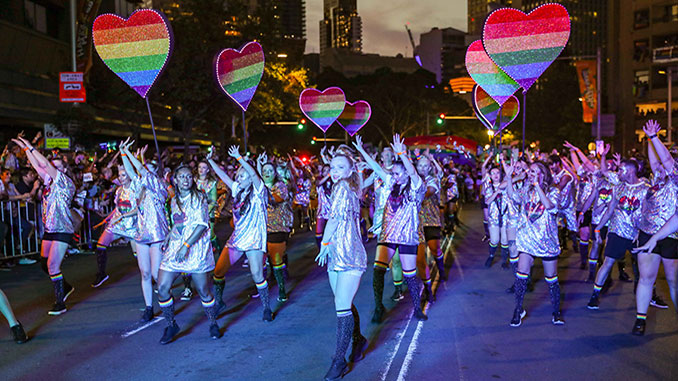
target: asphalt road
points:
(467, 336)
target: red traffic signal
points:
(441, 116)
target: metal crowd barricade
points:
(87, 240)
(21, 228)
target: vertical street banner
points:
(85, 14)
(586, 72)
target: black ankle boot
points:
(337, 370)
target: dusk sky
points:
(384, 22)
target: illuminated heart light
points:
(488, 75)
(355, 116)
(239, 72)
(487, 109)
(322, 107)
(525, 45)
(136, 49)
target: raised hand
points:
(569, 146)
(651, 127)
(398, 145)
(358, 144)
(210, 153)
(606, 149)
(361, 166)
(262, 159)
(617, 159)
(234, 152)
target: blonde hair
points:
(354, 180)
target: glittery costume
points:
(604, 189)
(249, 232)
(125, 202)
(585, 188)
(430, 206)
(659, 206)
(497, 210)
(209, 186)
(401, 214)
(380, 197)
(279, 213)
(538, 231)
(152, 223)
(193, 212)
(513, 219)
(347, 251)
(56, 205)
(324, 195)
(452, 190)
(566, 202)
(627, 214)
(303, 195)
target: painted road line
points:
(138, 329)
(394, 351)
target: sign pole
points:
(524, 112)
(244, 131)
(598, 85)
(155, 138)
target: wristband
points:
(123, 154)
(238, 158)
(326, 243)
(652, 136)
(400, 153)
(26, 149)
(187, 245)
(596, 231)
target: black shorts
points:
(616, 246)
(544, 259)
(61, 237)
(666, 248)
(587, 218)
(402, 249)
(277, 237)
(431, 233)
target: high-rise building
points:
(442, 52)
(479, 9)
(341, 27)
(645, 51)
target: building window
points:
(641, 19)
(35, 16)
(665, 13)
(641, 83)
(641, 50)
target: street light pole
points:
(73, 32)
(599, 84)
(669, 106)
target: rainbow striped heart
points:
(322, 107)
(355, 116)
(525, 45)
(239, 72)
(136, 49)
(487, 109)
(488, 75)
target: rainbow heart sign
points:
(525, 45)
(239, 72)
(487, 110)
(488, 75)
(136, 49)
(322, 107)
(355, 116)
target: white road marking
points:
(138, 329)
(410, 350)
(394, 351)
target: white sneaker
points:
(26, 261)
(187, 294)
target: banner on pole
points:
(86, 12)
(586, 72)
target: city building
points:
(645, 36)
(293, 27)
(443, 51)
(341, 27)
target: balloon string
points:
(155, 138)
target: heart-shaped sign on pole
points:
(488, 75)
(487, 110)
(525, 45)
(322, 107)
(355, 116)
(136, 49)
(239, 72)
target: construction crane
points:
(414, 48)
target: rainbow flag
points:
(322, 108)
(136, 49)
(240, 71)
(525, 45)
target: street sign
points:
(71, 87)
(607, 122)
(55, 138)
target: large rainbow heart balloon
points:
(524, 45)
(136, 49)
(355, 116)
(322, 107)
(487, 110)
(239, 72)
(488, 75)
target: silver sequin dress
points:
(324, 196)
(604, 189)
(401, 214)
(537, 234)
(497, 210)
(279, 214)
(194, 212)
(566, 208)
(430, 206)
(152, 223)
(380, 196)
(627, 214)
(513, 220)
(659, 206)
(125, 202)
(303, 195)
(249, 221)
(347, 251)
(56, 205)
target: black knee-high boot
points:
(415, 292)
(58, 284)
(504, 256)
(490, 258)
(514, 269)
(575, 241)
(265, 302)
(167, 307)
(219, 284)
(211, 313)
(359, 343)
(102, 258)
(583, 252)
(378, 288)
(554, 291)
(280, 278)
(339, 366)
(520, 286)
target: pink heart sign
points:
(487, 110)
(488, 75)
(322, 107)
(525, 45)
(355, 116)
(239, 72)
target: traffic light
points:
(441, 119)
(302, 124)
